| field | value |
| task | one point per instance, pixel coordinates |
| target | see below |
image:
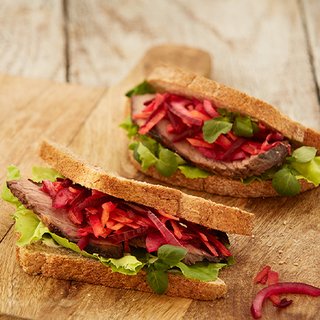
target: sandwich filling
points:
(174, 132)
(103, 227)
(215, 140)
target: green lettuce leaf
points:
(128, 264)
(13, 173)
(242, 126)
(142, 88)
(212, 129)
(157, 280)
(201, 270)
(167, 163)
(130, 127)
(304, 154)
(40, 173)
(150, 143)
(147, 158)
(309, 170)
(193, 172)
(28, 226)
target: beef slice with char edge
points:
(57, 220)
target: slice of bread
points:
(178, 81)
(60, 263)
(220, 185)
(175, 202)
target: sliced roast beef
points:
(196, 255)
(254, 165)
(57, 220)
(251, 166)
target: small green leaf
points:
(140, 89)
(201, 270)
(255, 127)
(13, 173)
(231, 261)
(150, 143)
(304, 154)
(40, 173)
(128, 264)
(167, 163)
(213, 128)
(130, 127)
(225, 114)
(193, 172)
(242, 127)
(309, 170)
(146, 157)
(160, 265)
(171, 255)
(157, 280)
(285, 183)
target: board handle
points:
(192, 59)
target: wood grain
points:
(32, 38)
(34, 109)
(311, 10)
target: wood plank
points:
(52, 111)
(264, 55)
(32, 38)
(311, 9)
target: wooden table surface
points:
(268, 48)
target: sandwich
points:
(193, 132)
(77, 222)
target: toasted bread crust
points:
(185, 83)
(220, 185)
(193, 209)
(60, 263)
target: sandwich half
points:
(191, 131)
(77, 222)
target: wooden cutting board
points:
(86, 119)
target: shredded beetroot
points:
(83, 242)
(281, 288)
(98, 215)
(186, 117)
(166, 233)
(262, 276)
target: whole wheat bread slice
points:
(60, 263)
(178, 81)
(175, 202)
(220, 185)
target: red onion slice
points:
(280, 288)
(167, 234)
